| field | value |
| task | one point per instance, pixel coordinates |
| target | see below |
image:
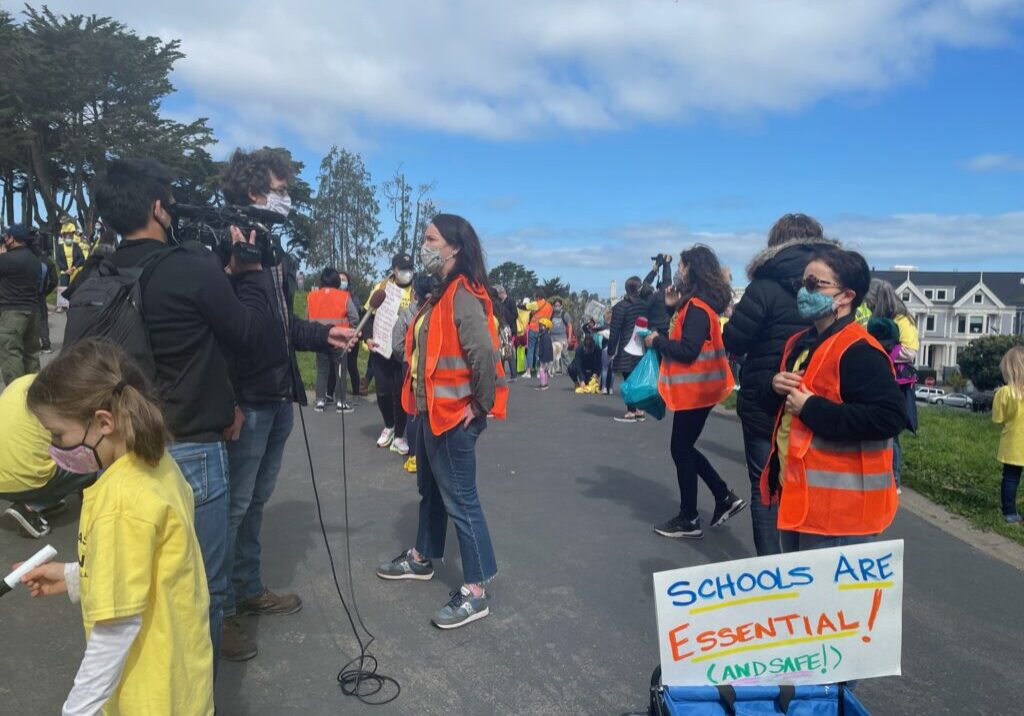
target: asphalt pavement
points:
(570, 496)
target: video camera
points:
(211, 227)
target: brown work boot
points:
(235, 644)
(270, 603)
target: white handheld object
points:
(41, 557)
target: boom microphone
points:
(41, 557)
(376, 299)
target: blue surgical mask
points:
(343, 285)
(813, 306)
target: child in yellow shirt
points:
(139, 574)
(1008, 411)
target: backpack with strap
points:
(107, 305)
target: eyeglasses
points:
(813, 283)
(281, 191)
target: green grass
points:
(307, 360)
(952, 461)
(730, 401)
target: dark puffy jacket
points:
(624, 315)
(763, 320)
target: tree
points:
(345, 228)
(979, 361)
(555, 287)
(519, 281)
(409, 212)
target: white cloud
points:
(499, 70)
(996, 162)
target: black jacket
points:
(696, 330)
(507, 313)
(20, 274)
(194, 310)
(657, 316)
(763, 320)
(620, 330)
(873, 404)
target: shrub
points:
(979, 362)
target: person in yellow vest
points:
(455, 380)
(139, 574)
(332, 305)
(694, 377)
(838, 409)
(539, 308)
(69, 260)
(387, 371)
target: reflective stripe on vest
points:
(833, 487)
(705, 381)
(448, 375)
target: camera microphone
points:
(376, 299)
(41, 557)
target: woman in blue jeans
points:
(454, 382)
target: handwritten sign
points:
(595, 310)
(385, 318)
(814, 617)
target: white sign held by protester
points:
(385, 318)
(815, 617)
(595, 310)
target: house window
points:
(961, 324)
(929, 323)
(906, 296)
(977, 325)
(940, 294)
(929, 294)
(978, 298)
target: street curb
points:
(992, 544)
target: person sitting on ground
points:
(837, 407)
(139, 574)
(28, 475)
(586, 364)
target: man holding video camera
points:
(268, 384)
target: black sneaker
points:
(727, 508)
(343, 407)
(678, 527)
(32, 523)
(405, 567)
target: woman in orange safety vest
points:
(332, 305)
(838, 409)
(694, 377)
(454, 381)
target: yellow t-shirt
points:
(414, 367)
(25, 462)
(406, 294)
(909, 338)
(139, 556)
(1007, 411)
(786, 424)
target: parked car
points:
(981, 401)
(926, 393)
(957, 400)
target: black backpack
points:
(107, 305)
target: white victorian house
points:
(953, 308)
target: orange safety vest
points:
(706, 381)
(328, 306)
(832, 487)
(544, 310)
(448, 375)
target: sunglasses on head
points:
(813, 283)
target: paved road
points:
(570, 496)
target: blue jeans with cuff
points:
(763, 518)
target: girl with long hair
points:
(1008, 411)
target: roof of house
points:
(1008, 286)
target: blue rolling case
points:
(831, 700)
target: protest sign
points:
(814, 617)
(385, 318)
(595, 310)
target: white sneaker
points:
(400, 445)
(386, 436)
(319, 407)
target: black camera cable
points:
(359, 676)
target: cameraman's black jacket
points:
(272, 374)
(193, 310)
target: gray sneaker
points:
(461, 609)
(405, 567)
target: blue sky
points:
(581, 137)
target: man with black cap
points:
(388, 372)
(19, 290)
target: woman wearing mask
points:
(387, 372)
(454, 381)
(837, 409)
(694, 377)
(332, 305)
(623, 320)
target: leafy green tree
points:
(979, 361)
(555, 287)
(519, 281)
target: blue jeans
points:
(763, 518)
(897, 458)
(205, 467)
(1008, 488)
(255, 461)
(802, 541)
(531, 350)
(446, 477)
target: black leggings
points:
(393, 412)
(687, 426)
(389, 375)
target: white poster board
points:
(815, 617)
(595, 310)
(385, 318)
